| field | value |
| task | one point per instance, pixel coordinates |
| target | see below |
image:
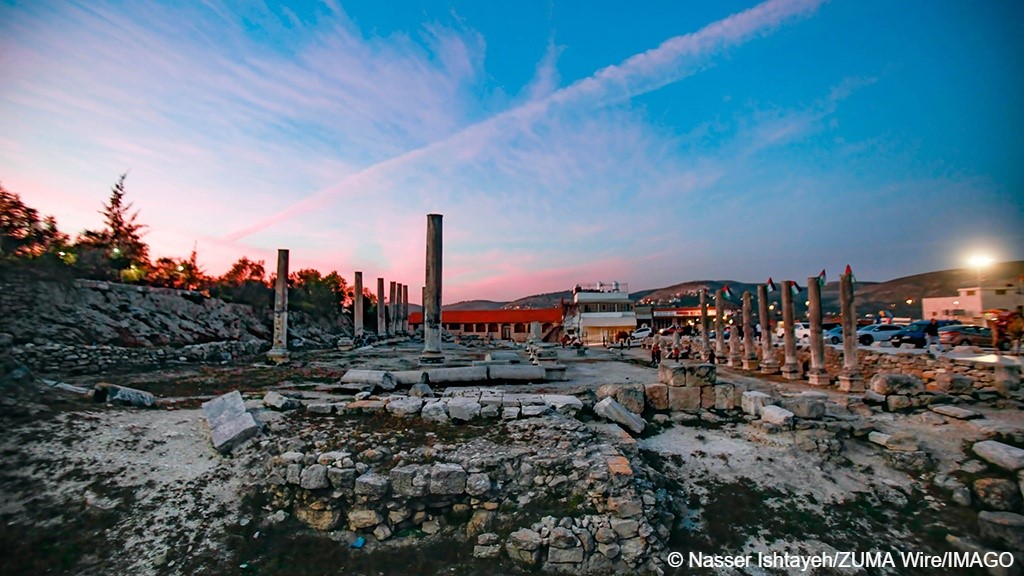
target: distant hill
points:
(871, 297)
(475, 305)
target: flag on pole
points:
(821, 278)
(794, 288)
(771, 285)
(849, 272)
(726, 292)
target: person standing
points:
(931, 335)
(655, 354)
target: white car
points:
(641, 333)
(868, 335)
(801, 330)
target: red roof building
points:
(498, 324)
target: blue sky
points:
(565, 142)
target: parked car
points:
(667, 331)
(641, 333)
(828, 326)
(834, 335)
(969, 335)
(870, 334)
(914, 333)
(802, 330)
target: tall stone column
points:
(735, 343)
(749, 353)
(279, 351)
(382, 329)
(391, 308)
(769, 365)
(719, 327)
(790, 368)
(432, 302)
(357, 306)
(405, 308)
(817, 375)
(850, 379)
(535, 333)
(705, 340)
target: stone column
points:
(735, 343)
(749, 353)
(405, 308)
(790, 368)
(705, 341)
(817, 375)
(850, 379)
(357, 306)
(719, 327)
(535, 334)
(391, 308)
(676, 336)
(382, 329)
(768, 363)
(279, 351)
(432, 302)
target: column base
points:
(431, 358)
(819, 379)
(735, 361)
(278, 356)
(851, 383)
(769, 368)
(751, 364)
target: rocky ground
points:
(92, 488)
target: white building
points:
(970, 304)
(600, 311)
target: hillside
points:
(475, 305)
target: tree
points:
(120, 243)
(22, 233)
(317, 294)
(245, 282)
(178, 273)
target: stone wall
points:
(84, 359)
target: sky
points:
(648, 143)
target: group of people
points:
(676, 353)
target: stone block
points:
(278, 401)
(954, 411)
(754, 402)
(631, 396)
(372, 485)
(777, 415)
(805, 407)
(125, 396)
(410, 481)
(314, 477)
(657, 396)
(230, 424)
(447, 479)
(707, 397)
(1005, 456)
(998, 493)
(905, 384)
(360, 519)
(724, 397)
(897, 402)
(563, 403)
(952, 383)
(435, 411)
(565, 555)
(464, 409)
(612, 410)
(685, 399)
(1004, 529)
(405, 406)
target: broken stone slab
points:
(380, 378)
(517, 372)
(657, 396)
(105, 392)
(952, 383)
(753, 402)
(278, 401)
(464, 409)
(503, 356)
(364, 406)
(725, 397)
(687, 374)
(1002, 528)
(955, 412)
(229, 423)
(1003, 455)
(563, 403)
(886, 384)
(436, 411)
(457, 374)
(612, 410)
(900, 442)
(777, 415)
(405, 406)
(805, 407)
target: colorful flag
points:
(821, 278)
(849, 272)
(794, 288)
(771, 285)
(726, 292)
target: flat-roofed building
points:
(599, 311)
(498, 324)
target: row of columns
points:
(745, 354)
(392, 312)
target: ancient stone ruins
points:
(222, 447)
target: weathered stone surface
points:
(1003, 455)
(372, 485)
(230, 424)
(998, 493)
(358, 519)
(482, 521)
(421, 390)
(278, 401)
(605, 535)
(724, 397)
(886, 384)
(563, 403)
(754, 402)
(777, 415)
(565, 555)
(405, 406)
(517, 372)
(952, 383)
(897, 402)
(805, 407)
(954, 411)
(612, 410)
(341, 478)
(687, 374)
(320, 408)
(900, 441)
(532, 410)
(447, 479)
(379, 378)
(314, 477)
(365, 406)
(1002, 529)
(478, 484)
(563, 538)
(523, 546)
(410, 481)
(684, 399)
(625, 527)
(624, 506)
(464, 409)
(318, 519)
(631, 396)
(124, 395)
(657, 396)
(436, 411)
